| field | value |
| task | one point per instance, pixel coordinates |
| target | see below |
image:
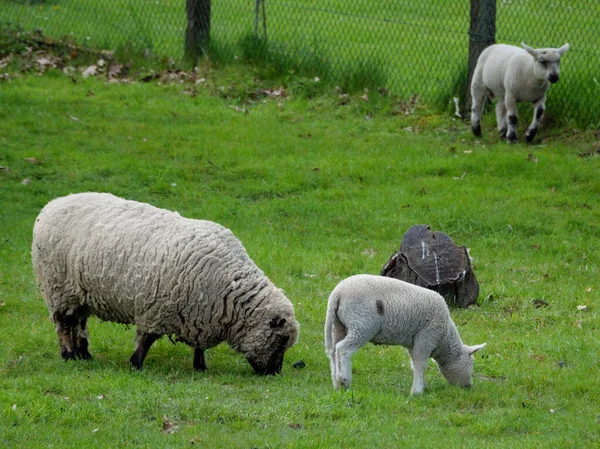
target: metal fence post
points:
(197, 34)
(482, 34)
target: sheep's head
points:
(459, 371)
(546, 64)
(266, 337)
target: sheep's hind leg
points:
(478, 97)
(144, 342)
(199, 361)
(339, 332)
(80, 337)
(538, 107)
(513, 119)
(344, 350)
(501, 118)
(64, 331)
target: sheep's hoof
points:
(476, 130)
(84, 355)
(530, 135)
(503, 132)
(511, 138)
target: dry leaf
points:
(581, 307)
(25, 181)
(33, 161)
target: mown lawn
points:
(317, 190)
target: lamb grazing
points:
(386, 311)
(513, 74)
(132, 263)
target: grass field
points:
(317, 190)
(406, 46)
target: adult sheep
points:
(132, 263)
(367, 308)
(513, 74)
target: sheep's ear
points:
(277, 322)
(529, 50)
(563, 49)
(473, 349)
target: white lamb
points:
(513, 74)
(367, 308)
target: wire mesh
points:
(409, 47)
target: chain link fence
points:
(409, 47)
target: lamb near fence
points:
(513, 74)
(132, 263)
(366, 308)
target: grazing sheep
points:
(132, 263)
(513, 74)
(386, 311)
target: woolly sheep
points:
(513, 74)
(366, 308)
(132, 263)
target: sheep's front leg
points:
(144, 341)
(512, 114)
(538, 111)
(501, 117)
(199, 361)
(418, 362)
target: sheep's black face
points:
(265, 346)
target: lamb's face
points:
(547, 62)
(264, 345)
(460, 370)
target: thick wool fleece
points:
(133, 263)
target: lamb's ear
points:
(563, 49)
(277, 322)
(529, 50)
(473, 349)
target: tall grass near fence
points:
(409, 47)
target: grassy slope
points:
(316, 193)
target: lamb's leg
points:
(199, 361)
(339, 332)
(512, 115)
(501, 117)
(538, 112)
(478, 97)
(80, 338)
(144, 341)
(355, 339)
(419, 357)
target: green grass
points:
(316, 191)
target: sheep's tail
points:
(331, 322)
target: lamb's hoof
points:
(476, 130)
(503, 132)
(342, 384)
(530, 135)
(511, 138)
